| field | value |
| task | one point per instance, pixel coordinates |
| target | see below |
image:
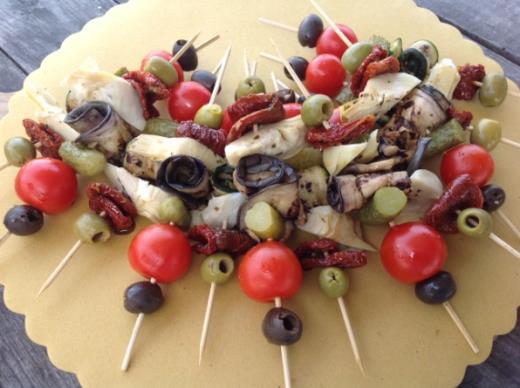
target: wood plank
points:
(12, 76)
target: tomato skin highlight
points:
(292, 109)
(330, 43)
(185, 100)
(47, 184)
(412, 252)
(269, 270)
(226, 122)
(325, 75)
(467, 159)
(161, 252)
(165, 55)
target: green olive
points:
(493, 90)
(396, 47)
(474, 222)
(161, 127)
(163, 70)
(333, 282)
(92, 228)
(18, 151)
(265, 221)
(316, 109)
(251, 85)
(487, 134)
(209, 115)
(355, 55)
(85, 161)
(121, 71)
(173, 210)
(217, 268)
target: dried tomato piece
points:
(464, 117)
(149, 88)
(356, 85)
(214, 139)
(112, 205)
(205, 237)
(325, 252)
(461, 194)
(45, 140)
(248, 104)
(388, 65)
(233, 241)
(339, 133)
(466, 87)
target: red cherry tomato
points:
(325, 75)
(226, 122)
(467, 159)
(292, 109)
(330, 43)
(336, 117)
(270, 270)
(47, 184)
(161, 252)
(185, 100)
(165, 55)
(412, 252)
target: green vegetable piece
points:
(396, 47)
(386, 204)
(265, 222)
(316, 109)
(487, 134)
(345, 95)
(172, 210)
(306, 158)
(222, 179)
(18, 151)
(333, 282)
(161, 127)
(121, 71)
(429, 50)
(163, 70)
(209, 115)
(355, 55)
(475, 222)
(251, 85)
(92, 228)
(217, 268)
(85, 161)
(379, 40)
(493, 90)
(446, 136)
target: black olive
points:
(300, 100)
(414, 62)
(23, 220)
(206, 79)
(310, 30)
(189, 60)
(143, 297)
(438, 289)
(299, 64)
(494, 197)
(282, 326)
(286, 95)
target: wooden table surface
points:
(31, 29)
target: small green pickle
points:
(386, 204)
(446, 136)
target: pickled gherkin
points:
(386, 204)
(265, 222)
(446, 136)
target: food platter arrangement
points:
(324, 185)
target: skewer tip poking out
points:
(331, 23)
(246, 63)
(275, 84)
(207, 316)
(4, 238)
(497, 240)
(207, 42)
(351, 336)
(220, 75)
(291, 71)
(253, 68)
(4, 166)
(460, 325)
(510, 142)
(274, 23)
(508, 222)
(184, 48)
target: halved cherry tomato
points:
(185, 100)
(165, 55)
(325, 75)
(292, 109)
(270, 270)
(336, 117)
(160, 251)
(412, 252)
(226, 122)
(330, 43)
(47, 184)
(467, 159)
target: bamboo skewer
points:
(350, 333)
(284, 85)
(460, 325)
(274, 23)
(253, 68)
(4, 238)
(508, 222)
(223, 64)
(501, 243)
(207, 315)
(207, 42)
(184, 48)
(246, 63)
(4, 166)
(510, 142)
(285, 355)
(271, 57)
(331, 23)
(275, 83)
(511, 93)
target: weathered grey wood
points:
(12, 76)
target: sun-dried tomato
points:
(205, 238)
(215, 139)
(464, 117)
(113, 205)
(210, 240)
(149, 88)
(466, 87)
(358, 83)
(339, 133)
(325, 252)
(388, 65)
(45, 140)
(461, 194)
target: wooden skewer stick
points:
(60, 266)
(207, 315)
(220, 75)
(460, 325)
(510, 92)
(271, 57)
(275, 84)
(350, 333)
(331, 23)
(4, 238)
(509, 223)
(253, 68)
(133, 338)
(510, 142)
(273, 23)
(246, 63)
(497, 240)
(4, 166)
(207, 42)
(285, 356)
(184, 48)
